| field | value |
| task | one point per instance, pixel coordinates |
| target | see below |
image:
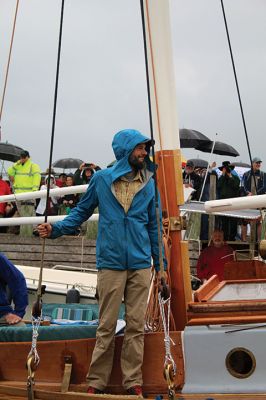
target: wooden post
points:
(172, 179)
(166, 134)
(253, 224)
(212, 196)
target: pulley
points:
(73, 295)
(169, 374)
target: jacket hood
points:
(123, 144)
(51, 177)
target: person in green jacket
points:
(25, 176)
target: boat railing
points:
(37, 195)
(74, 268)
(63, 285)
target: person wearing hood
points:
(25, 176)
(53, 200)
(127, 239)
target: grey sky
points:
(102, 86)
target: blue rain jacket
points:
(10, 276)
(125, 240)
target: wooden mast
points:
(168, 156)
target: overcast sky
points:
(102, 86)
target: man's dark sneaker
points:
(92, 390)
(135, 390)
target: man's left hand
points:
(157, 276)
(12, 319)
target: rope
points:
(238, 92)
(165, 306)
(7, 67)
(82, 251)
(35, 333)
(33, 358)
(169, 363)
(153, 320)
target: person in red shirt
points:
(4, 190)
(212, 259)
(61, 181)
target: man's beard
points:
(135, 163)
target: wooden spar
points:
(166, 134)
(38, 194)
(236, 203)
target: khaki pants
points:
(26, 210)
(112, 286)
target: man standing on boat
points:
(13, 279)
(127, 239)
(25, 176)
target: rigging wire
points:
(238, 92)
(8, 65)
(33, 358)
(39, 291)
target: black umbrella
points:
(199, 163)
(189, 138)
(220, 148)
(67, 163)
(241, 164)
(9, 152)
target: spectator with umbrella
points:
(228, 187)
(192, 180)
(206, 174)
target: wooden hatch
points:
(240, 298)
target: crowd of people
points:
(228, 185)
(25, 176)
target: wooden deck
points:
(74, 251)
(20, 393)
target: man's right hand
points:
(44, 230)
(12, 319)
